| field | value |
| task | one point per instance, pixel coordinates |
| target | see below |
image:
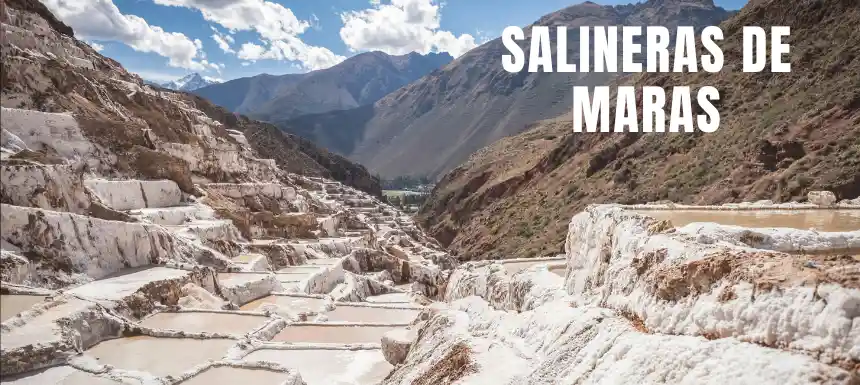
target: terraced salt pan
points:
(159, 356)
(196, 322)
(822, 220)
(35, 330)
(125, 283)
(59, 375)
(377, 314)
(226, 375)
(330, 367)
(12, 305)
(291, 303)
(338, 334)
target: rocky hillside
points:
(430, 126)
(781, 136)
(357, 81)
(139, 222)
(130, 119)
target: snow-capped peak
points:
(190, 82)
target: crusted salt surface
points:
(556, 343)
(677, 285)
(53, 187)
(93, 246)
(119, 287)
(53, 133)
(241, 288)
(136, 194)
(63, 375)
(50, 332)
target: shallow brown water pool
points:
(12, 304)
(295, 304)
(332, 334)
(160, 356)
(193, 322)
(822, 220)
(345, 313)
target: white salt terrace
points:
(60, 375)
(345, 325)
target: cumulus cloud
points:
(102, 20)
(401, 26)
(96, 46)
(277, 26)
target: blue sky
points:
(165, 39)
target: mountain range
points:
(189, 82)
(432, 125)
(357, 81)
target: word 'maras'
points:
(648, 49)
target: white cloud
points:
(96, 46)
(223, 42)
(401, 26)
(102, 20)
(277, 26)
(246, 63)
(291, 49)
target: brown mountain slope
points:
(781, 136)
(430, 126)
(119, 112)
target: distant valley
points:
(434, 124)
